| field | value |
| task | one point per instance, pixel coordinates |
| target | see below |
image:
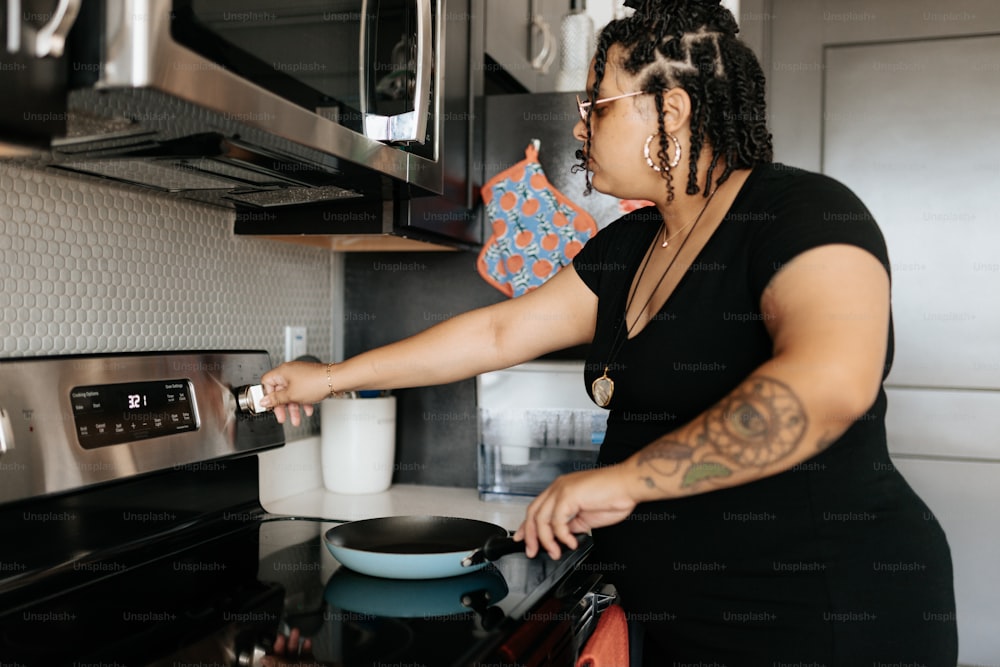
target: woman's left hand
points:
(575, 503)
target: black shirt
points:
(789, 567)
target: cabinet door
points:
(507, 38)
(523, 37)
(929, 175)
(546, 19)
(962, 495)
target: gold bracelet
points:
(329, 380)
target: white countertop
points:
(402, 499)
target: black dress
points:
(834, 562)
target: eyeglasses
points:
(586, 106)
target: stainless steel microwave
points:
(290, 101)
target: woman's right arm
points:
(559, 314)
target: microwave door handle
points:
(13, 27)
(411, 125)
(50, 39)
(425, 63)
(363, 69)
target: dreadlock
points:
(692, 44)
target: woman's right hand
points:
(292, 388)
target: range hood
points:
(206, 166)
(277, 189)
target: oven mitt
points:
(536, 229)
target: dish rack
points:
(536, 422)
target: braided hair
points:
(692, 44)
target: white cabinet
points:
(899, 102)
(963, 496)
(946, 443)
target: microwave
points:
(258, 103)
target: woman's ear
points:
(676, 109)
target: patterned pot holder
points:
(536, 229)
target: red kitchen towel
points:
(608, 645)
(536, 229)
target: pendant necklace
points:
(603, 388)
(667, 240)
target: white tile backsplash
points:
(89, 267)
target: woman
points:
(745, 504)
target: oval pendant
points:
(603, 388)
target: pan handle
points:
(496, 547)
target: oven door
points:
(364, 64)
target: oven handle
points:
(592, 605)
(410, 125)
(556, 630)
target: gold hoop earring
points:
(670, 165)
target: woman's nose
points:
(580, 130)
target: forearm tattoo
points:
(761, 422)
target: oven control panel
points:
(82, 420)
(111, 414)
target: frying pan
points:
(418, 547)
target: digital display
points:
(115, 413)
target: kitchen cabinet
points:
(931, 193)
(848, 91)
(955, 490)
(522, 39)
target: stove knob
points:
(6, 432)
(253, 658)
(248, 397)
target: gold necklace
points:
(666, 241)
(603, 388)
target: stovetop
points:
(239, 597)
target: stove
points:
(134, 535)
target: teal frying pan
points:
(418, 547)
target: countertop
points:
(402, 499)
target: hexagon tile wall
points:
(89, 267)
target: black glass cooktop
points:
(270, 593)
